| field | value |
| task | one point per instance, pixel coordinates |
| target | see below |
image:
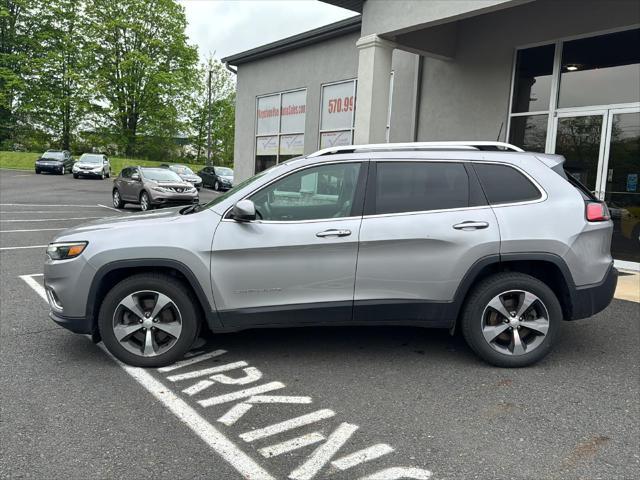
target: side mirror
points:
(136, 177)
(244, 211)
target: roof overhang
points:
(326, 32)
(355, 5)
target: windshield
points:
(224, 171)
(53, 155)
(160, 175)
(90, 158)
(181, 170)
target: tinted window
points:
(53, 155)
(420, 186)
(327, 191)
(503, 184)
(601, 70)
(126, 172)
(532, 89)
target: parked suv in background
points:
(92, 165)
(499, 244)
(185, 173)
(54, 161)
(219, 178)
(151, 187)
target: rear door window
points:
(420, 186)
(504, 184)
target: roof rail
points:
(458, 145)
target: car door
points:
(425, 224)
(206, 174)
(126, 184)
(296, 263)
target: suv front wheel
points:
(148, 320)
(510, 319)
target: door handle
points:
(332, 232)
(470, 225)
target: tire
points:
(145, 202)
(102, 176)
(117, 199)
(75, 175)
(216, 186)
(37, 172)
(479, 320)
(149, 345)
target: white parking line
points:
(110, 208)
(49, 219)
(20, 248)
(239, 460)
(370, 453)
(192, 361)
(31, 230)
(36, 211)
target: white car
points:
(92, 165)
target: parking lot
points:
(340, 403)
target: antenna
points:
(500, 131)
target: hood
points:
(166, 215)
(228, 178)
(88, 164)
(190, 177)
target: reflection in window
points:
(529, 132)
(578, 139)
(532, 89)
(601, 70)
(321, 192)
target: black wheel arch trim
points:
(211, 315)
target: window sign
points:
(279, 127)
(292, 144)
(268, 115)
(336, 139)
(338, 106)
(267, 145)
(293, 111)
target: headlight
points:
(161, 189)
(190, 189)
(75, 168)
(96, 169)
(64, 251)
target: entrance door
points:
(602, 150)
(621, 182)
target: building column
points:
(372, 100)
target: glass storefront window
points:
(529, 132)
(600, 70)
(532, 87)
(578, 139)
(337, 115)
(280, 120)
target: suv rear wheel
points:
(511, 319)
(148, 320)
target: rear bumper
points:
(591, 299)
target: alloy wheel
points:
(216, 186)
(144, 202)
(515, 322)
(147, 323)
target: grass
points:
(25, 161)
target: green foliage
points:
(110, 76)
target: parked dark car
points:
(185, 173)
(92, 165)
(151, 187)
(219, 178)
(54, 161)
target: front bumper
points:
(54, 168)
(173, 200)
(75, 324)
(591, 299)
(87, 173)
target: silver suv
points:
(477, 236)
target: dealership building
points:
(555, 76)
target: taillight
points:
(597, 212)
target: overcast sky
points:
(231, 26)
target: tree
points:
(222, 113)
(144, 70)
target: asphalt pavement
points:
(312, 403)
